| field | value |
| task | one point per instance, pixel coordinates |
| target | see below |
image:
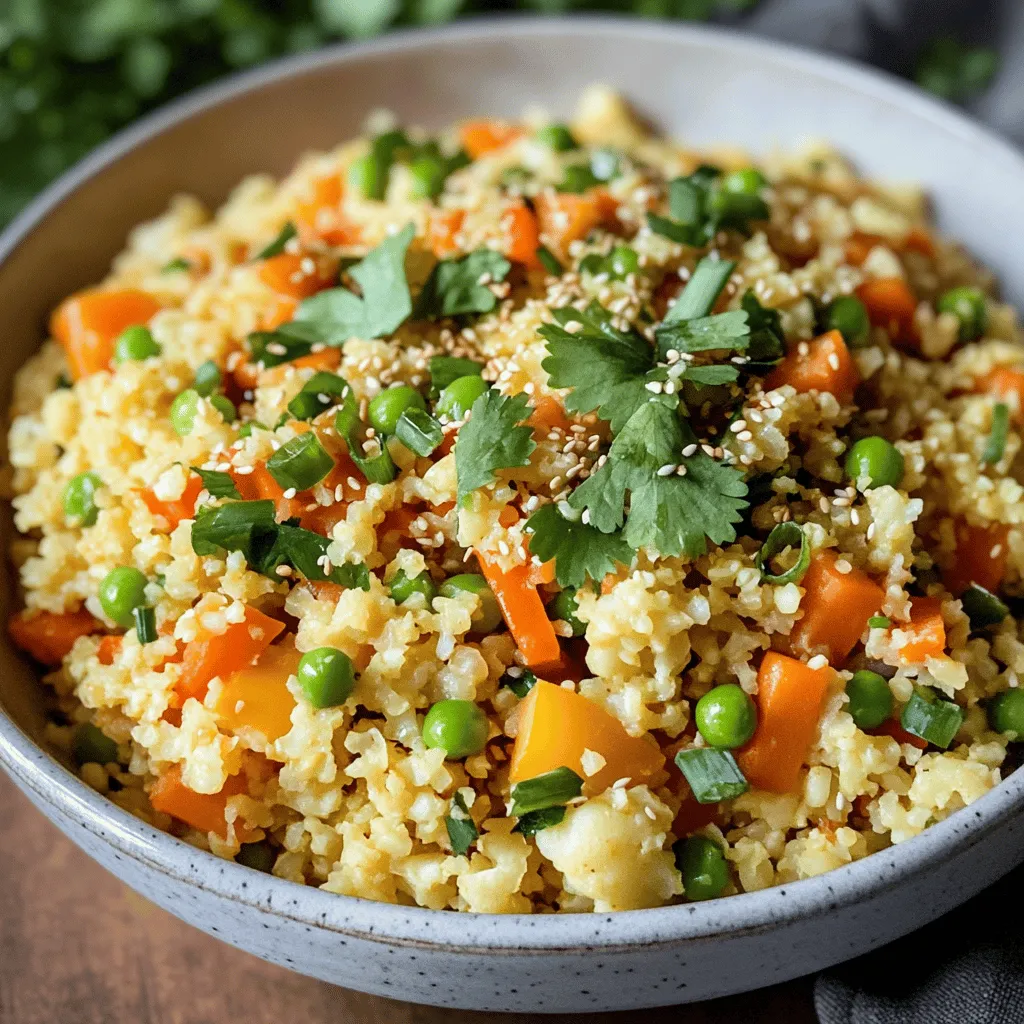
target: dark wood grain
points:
(78, 947)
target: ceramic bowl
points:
(704, 86)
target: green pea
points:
(208, 378)
(93, 746)
(878, 460)
(403, 587)
(703, 866)
(122, 591)
(726, 716)
(258, 856)
(458, 727)
(563, 608)
(578, 178)
(135, 344)
(558, 137)
(80, 498)
(326, 676)
(386, 408)
(427, 177)
(849, 317)
(369, 176)
(225, 407)
(748, 182)
(870, 699)
(1006, 713)
(183, 411)
(623, 261)
(968, 306)
(488, 616)
(457, 399)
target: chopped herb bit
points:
(63, 382)
(220, 485)
(145, 624)
(783, 536)
(419, 432)
(767, 341)
(462, 830)
(318, 394)
(445, 369)
(552, 789)
(178, 264)
(710, 376)
(276, 247)
(549, 261)
(713, 774)
(520, 684)
(378, 468)
(995, 446)
(272, 348)
(300, 463)
(879, 622)
(578, 178)
(703, 202)
(580, 551)
(493, 438)
(454, 288)
(701, 293)
(532, 822)
(983, 607)
(728, 331)
(937, 721)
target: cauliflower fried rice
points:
(533, 518)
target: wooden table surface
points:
(78, 947)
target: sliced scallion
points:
(520, 684)
(419, 431)
(784, 535)
(982, 607)
(996, 443)
(713, 774)
(145, 624)
(462, 830)
(175, 266)
(536, 821)
(300, 463)
(552, 789)
(705, 285)
(320, 392)
(937, 721)
(549, 261)
(276, 247)
(879, 622)
(378, 468)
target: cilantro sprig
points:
(580, 551)
(454, 288)
(701, 203)
(493, 438)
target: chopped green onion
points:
(713, 774)
(982, 607)
(462, 831)
(705, 285)
(300, 463)
(321, 391)
(536, 821)
(178, 264)
(419, 431)
(378, 468)
(145, 624)
(220, 485)
(552, 789)
(879, 622)
(937, 721)
(276, 247)
(272, 348)
(549, 261)
(785, 535)
(996, 443)
(445, 369)
(520, 684)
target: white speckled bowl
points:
(705, 86)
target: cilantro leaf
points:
(579, 550)
(767, 340)
(671, 514)
(605, 367)
(338, 314)
(492, 439)
(445, 369)
(709, 376)
(705, 333)
(220, 485)
(272, 348)
(462, 830)
(453, 287)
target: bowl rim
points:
(50, 783)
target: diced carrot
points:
(859, 245)
(446, 446)
(522, 235)
(919, 240)
(239, 646)
(824, 364)
(926, 631)
(257, 697)
(508, 516)
(49, 636)
(836, 608)
(324, 589)
(481, 137)
(548, 414)
(203, 811)
(280, 310)
(523, 611)
(564, 217)
(893, 728)
(109, 647)
(543, 573)
(556, 726)
(328, 359)
(177, 509)
(1006, 383)
(88, 324)
(261, 484)
(891, 304)
(319, 215)
(981, 555)
(288, 274)
(444, 229)
(789, 698)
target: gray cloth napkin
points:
(968, 967)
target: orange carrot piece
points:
(281, 310)
(789, 697)
(543, 573)
(893, 728)
(926, 630)
(326, 359)
(522, 235)
(891, 304)
(324, 589)
(919, 240)
(836, 609)
(524, 612)
(824, 364)
(482, 137)
(981, 555)
(88, 324)
(108, 648)
(207, 657)
(548, 414)
(203, 811)
(445, 226)
(287, 274)
(49, 636)
(1006, 383)
(176, 510)
(319, 215)
(556, 726)
(859, 245)
(257, 697)
(565, 217)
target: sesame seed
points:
(667, 470)
(818, 661)
(283, 570)
(690, 449)
(654, 386)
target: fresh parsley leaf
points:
(454, 289)
(580, 551)
(706, 333)
(337, 314)
(220, 485)
(445, 369)
(671, 514)
(492, 439)
(462, 831)
(605, 367)
(276, 247)
(549, 261)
